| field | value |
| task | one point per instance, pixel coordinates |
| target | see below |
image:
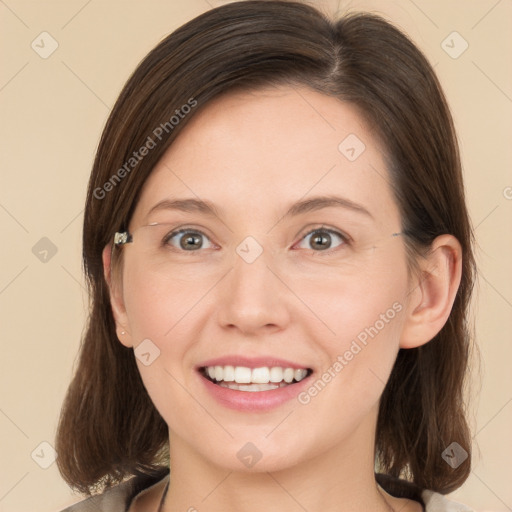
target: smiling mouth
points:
(242, 378)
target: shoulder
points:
(435, 502)
(430, 500)
(119, 497)
(113, 500)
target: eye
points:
(322, 239)
(188, 240)
(192, 240)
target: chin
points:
(256, 454)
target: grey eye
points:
(189, 240)
(322, 239)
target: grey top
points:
(118, 498)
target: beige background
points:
(53, 111)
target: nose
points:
(252, 299)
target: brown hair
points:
(109, 428)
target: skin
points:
(253, 154)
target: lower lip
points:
(254, 400)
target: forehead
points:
(256, 152)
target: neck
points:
(340, 479)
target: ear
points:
(431, 300)
(116, 299)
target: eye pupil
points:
(322, 241)
(191, 241)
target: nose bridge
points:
(252, 296)
(252, 273)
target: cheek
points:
(162, 309)
(157, 302)
(362, 319)
(362, 314)
(356, 302)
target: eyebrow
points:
(186, 205)
(307, 205)
(319, 202)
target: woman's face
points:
(297, 265)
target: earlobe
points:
(116, 299)
(432, 298)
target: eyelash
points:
(321, 229)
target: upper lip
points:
(251, 362)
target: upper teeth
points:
(263, 375)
